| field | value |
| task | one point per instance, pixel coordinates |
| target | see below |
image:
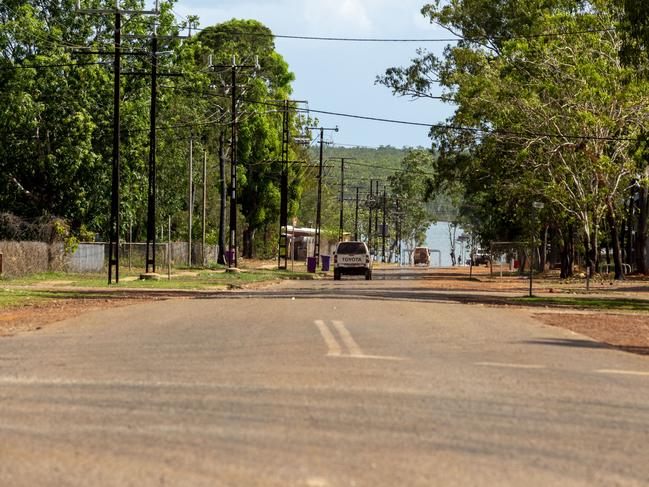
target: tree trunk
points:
(249, 243)
(641, 234)
(615, 239)
(223, 199)
(590, 253)
(544, 248)
(265, 251)
(567, 252)
(625, 234)
(594, 250)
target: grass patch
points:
(588, 303)
(15, 298)
(184, 279)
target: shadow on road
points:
(576, 343)
(420, 274)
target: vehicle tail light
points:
(367, 259)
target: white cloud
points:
(355, 12)
(335, 15)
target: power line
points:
(462, 128)
(411, 40)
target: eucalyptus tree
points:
(57, 109)
(633, 26)
(261, 91)
(547, 112)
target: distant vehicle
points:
(481, 257)
(421, 256)
(352, 258)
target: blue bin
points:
(311, 263)
(326, 259)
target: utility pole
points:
(151, 196)
(223, 194)
(342, 194)
(190, 212)
(398, 229)
(151, 212)
(113, 232)
(282, 254)
(376, 218)
(383, 228)
(150, 259)
(370, 203)
(342, 198)
(356, 216)
(373, 214)
(204, 207)
(316, 249)
(232, 244)
(232, 249)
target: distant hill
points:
(367, 163)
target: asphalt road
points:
(319, 384)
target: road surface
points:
(319, 384)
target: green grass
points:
(625, 304)
(205, 279)
(15, 298)
(21, 292)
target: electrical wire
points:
(407, 40)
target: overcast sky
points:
(339, 76)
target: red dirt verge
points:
(625, 332)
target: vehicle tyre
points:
(368, 275)
(336, 275)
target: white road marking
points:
(511, 366)
(623, 372)
(333, 346)
(347, 338)
(375, 357)
(317, 482)
(336, 350)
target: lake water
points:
(437, 238)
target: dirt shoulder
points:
(622, 331)
(34, 316)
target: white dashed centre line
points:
(335, 349)
(623, 372)
(347, 338)
(333, 346)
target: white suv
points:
(352, 258)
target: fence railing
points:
(22, 258)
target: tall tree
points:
(259, 123)
(551, 117)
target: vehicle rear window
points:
(351, 248)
